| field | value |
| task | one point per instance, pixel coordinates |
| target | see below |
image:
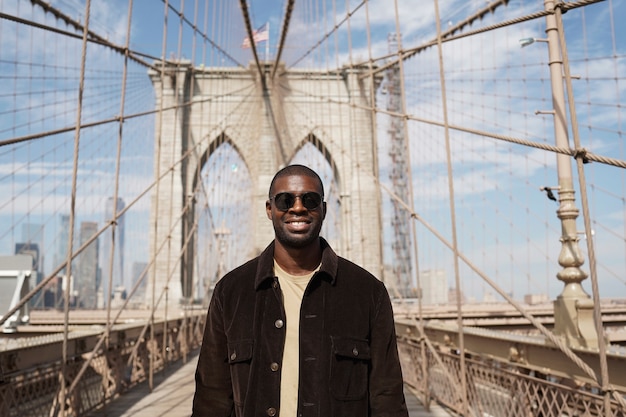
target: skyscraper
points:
(107, 244)
(87, 275)
(32, 233)
(62, 242)
(138, 268)
(32, 240)
(434, 286)
(31, 249)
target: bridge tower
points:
(266, 121)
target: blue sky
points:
(505, 223)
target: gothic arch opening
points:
(312, 153)
(223, 214)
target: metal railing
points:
(507, 375)
(30, 367)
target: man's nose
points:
(297, 205)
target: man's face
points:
(297, 227)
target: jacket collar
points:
(265, 267)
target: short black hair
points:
(296, 169)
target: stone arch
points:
(219, 140)
(192, 178)
(332, 229)
(231, 103)
(323, 150)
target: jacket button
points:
(355, 352)
(233, 356)
(271, 411)
(279, 323)
(275, 284)
(274, 367)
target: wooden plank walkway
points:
(173, 394)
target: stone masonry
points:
(201, 108)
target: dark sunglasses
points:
(285, 201)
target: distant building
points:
(33, 233)
(453, 293)
(32, 250)
(53, 293)
(434, 285)
(87, 270)
(62, 242)
(536, 298)
(489, 297)
(137, 270)
(33, 237)
(119, 296)
(118, 259)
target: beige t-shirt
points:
(292, 287)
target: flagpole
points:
(267, 43)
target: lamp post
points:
(573, 308)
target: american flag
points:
(260, 35)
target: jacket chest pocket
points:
(240, 358)
(350, 363)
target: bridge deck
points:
(173, 393)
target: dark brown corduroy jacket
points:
(349, 363)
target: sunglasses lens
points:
(311, 200)
(285, 201)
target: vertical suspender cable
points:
(604, 372)
(158, 188)
(354, 154)
(407, 144)
(457, 279)
(411, 202)
(188, 278)
(172, 174)
(246, 18)
(66, 308)
(343, 196)
(374, 116)
(114, 218)
(283, 35)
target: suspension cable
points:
(283, 35)
(204, 36)
(246, 18)
(412, 51)
(585, 154)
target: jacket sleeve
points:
(386, 388)
(214, 394)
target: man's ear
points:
(324, 210)
(268, 209)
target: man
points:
(299, 331)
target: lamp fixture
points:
(524, 42)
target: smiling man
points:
(299, 331)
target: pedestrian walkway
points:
(173, 393)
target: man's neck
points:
(298, 261)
